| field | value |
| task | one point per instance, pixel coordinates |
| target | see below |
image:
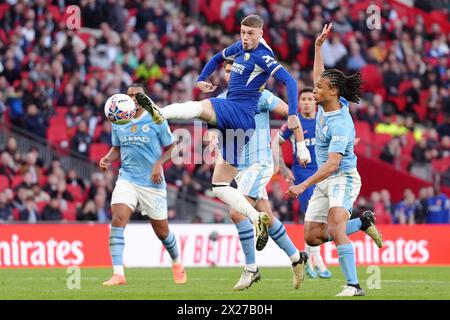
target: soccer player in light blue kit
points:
(253, 64)
(140, 146)
(337, 180)
(254, 173)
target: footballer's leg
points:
(251, 273)
(120, 216)
(162, 231)
(186, 110)
(153, 204)
(337, 222)
(278, 233)
(222, 177)
(123, 203)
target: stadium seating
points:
(4, 182)
(97, 151)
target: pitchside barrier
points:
(204, 245)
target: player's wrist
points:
(301, 145)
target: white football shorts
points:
(252, 180)
(339, 190)
(153, 202)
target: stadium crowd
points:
(48, 71)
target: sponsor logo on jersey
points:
(270, 61)
(339, 138)
(238, 68)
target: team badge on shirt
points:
(246, 56)
(134, 128)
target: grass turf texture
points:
(217, 284)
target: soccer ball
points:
(120, 109)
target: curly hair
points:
(349, 87)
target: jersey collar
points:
(331, 113)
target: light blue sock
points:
(278, 233)
(170, 243)
(116, 245)
(347, 261)
(353, 226)
(247, 238)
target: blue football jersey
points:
(258, 150)
(335, 132)
(407, 209)
(141, 143)
(309, 133)
(249, 72)
(438, 209)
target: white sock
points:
(295, 257)
(118, 270)
(236, 200)
(315, 252)
(251, 267)
(187, 110)
(310, 257)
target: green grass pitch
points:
(217, 283)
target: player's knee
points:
(313, 241)
(236, 217)
(118, 221)
(333, 232)
(162, 233)
(219, 189)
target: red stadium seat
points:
(4, 182)
(58, 120)
(421, 111)
(41, 205)
(441, 165)
(372, 76)
(71, 213)
(4, 7)
(57, 134)
(61, 111)
(380, 140)
(16, 180)
(16, 214)
(363, 131)
(76, 192)
(43, 180)
(404, 86)
(98, 151)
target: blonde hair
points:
(253, 20)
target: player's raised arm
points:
(318, 61)
(226, 54)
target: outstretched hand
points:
(206, 87)
(325, 31)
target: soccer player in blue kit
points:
(337, 180)
(254, 173)
(140, 145)
(253, 64)
(299, 173)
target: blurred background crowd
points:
(54, 81)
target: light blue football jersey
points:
(335, 132)
(258, 150)
(141, 143)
